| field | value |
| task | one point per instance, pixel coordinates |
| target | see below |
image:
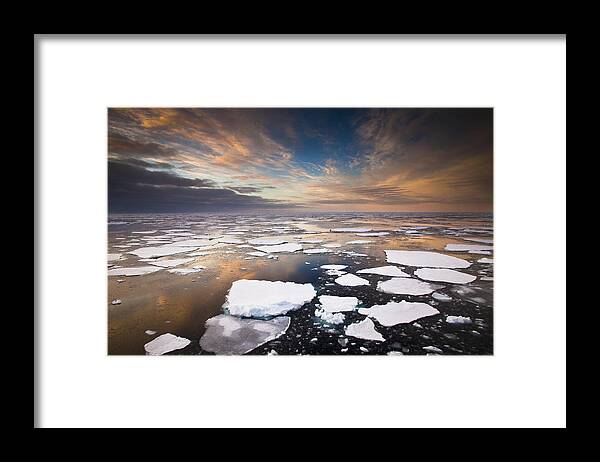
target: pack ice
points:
(390, 270)
(133, 271)
(165, 343)
(444, 275)
(422, 258)
(405, 286)
(364, 329)
(403, 312)
(259, 299)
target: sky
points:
(269, 159)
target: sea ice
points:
(334, 304)
(114, 256)
(311, 241)
(279, 248)
(364, 329)
(256, 298)
(230, 335)
(351, 280)
(432, 349)
(458, 320)
(467, 247)
(333, 267)
(229, 240)
(161, 251)
(403, 312)
(313, 251)
(257, 254)
(171, 263)
(376, 234)
(440, 297)
(350, 230)
(444, 275)
(116, 302)
(149, 332)
(133, 271)
(425, 259)
(333, 245)
(328, 317)
(268, 241)
(485, 260)
(359, 241)
(385, 271)
(185, 271)
(191, 243)
(480, 240)
(165, 343)
(405, 286)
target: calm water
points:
(180, 304)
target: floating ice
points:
(440, 297)
(229, 240)
(467, 247)
(149, 332)
(356, 254)
(230, 335)
(133, 271)
(279, 248)
(376, 234)
(385, 271)
(256, 298)
(403, 312)
(335, 273)
(350, 230)
(328, 317)
(164, 344)
(333, 267)
(432, 349)
(351, 280)
(114, 256)
(161, 251)
(116, 302)
(364, 329)
(424, 258)
(333, 304)
(405, 286)
(171, 263)
(485, 260)
(444, 275)
(191, 243)
(333, 245)
(359, 241)
(313, 251)
(268, 241)
(311, 241)
(143, 232)
(257, 254)
(185, 271)
(480, 240)
(458, 320)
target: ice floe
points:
(390, 270)
(116, 302)
(268, 241)
(333, 267)
(376, 234)
(405, 286)
(334, 304)
(171, 263)
(364, 329)
(114, 256)
(133, 271)
(161, 251)
(458, 320)
(314, 251)
(421, 258)
(480, 240)
(230, 335)
(359, 241)
(257, 254)
(257, 298)
(350, 230)
(432, 349)
(351, 280)
(468, 247)
(444, 275)
(191, 243)
(292, 247)
(440, 297)
(328, 317)
(333, 245)
(184, 271)
(485, 260)
(403, 312)
(165, 343)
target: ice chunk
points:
(335, 273)
(257, 254)
(149, 332)
(185, 271)
(432, 349)
(444, 275)
(333, 267)
(356, 254)
(467, 247)
(171, 263)
(485, 260)
(440, 297)
(311, 241)
(405, 286)
(333, 245)
(424, 258)
(312, 251)
(334, 304)
(364, 329)
(230, 335)
(229, 240)
(191, 243)
(350, 230)
(268, 241)
(376, 234)
(133, 271)
(279, 248)
(161, 251)
(351, 280)
(480, 240)
(256, 298)
(143, 232)
(385, 271)
(403, 312)
(328, 317)
(114, 256)
(458, 320)
(359, 241)
(116, 302)
(165, 343)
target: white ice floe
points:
(171, 263)
(256, 298)
(143, 232)
(440, 297)
(390, 270)
(432, 349)
(485, 260)
(161, 251)
(359, 241)
(468, 247)
(376, 234)
(480, 252)
(331, 318)
(334, 304)
(395, 353)
(191, 243)
(114, 256)
(257, 254)
(184, 271)
(165, 343)
(314, 251)
(292, 247)
(333, 267)
(364, 329)
(351, 280)
(230, 335)
(229, 240)
(333, 245)
(149, 332)
(133, 271)
(405, 286)
(350, 230)
(444, 275)
(116, 302)
(425, 259)
(458, 320)
(199, 254)
(403, 312)
(355, 254)
(335, 273)
(480, 240)
(268, 241)
(310, 241)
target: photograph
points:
(340, 231)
